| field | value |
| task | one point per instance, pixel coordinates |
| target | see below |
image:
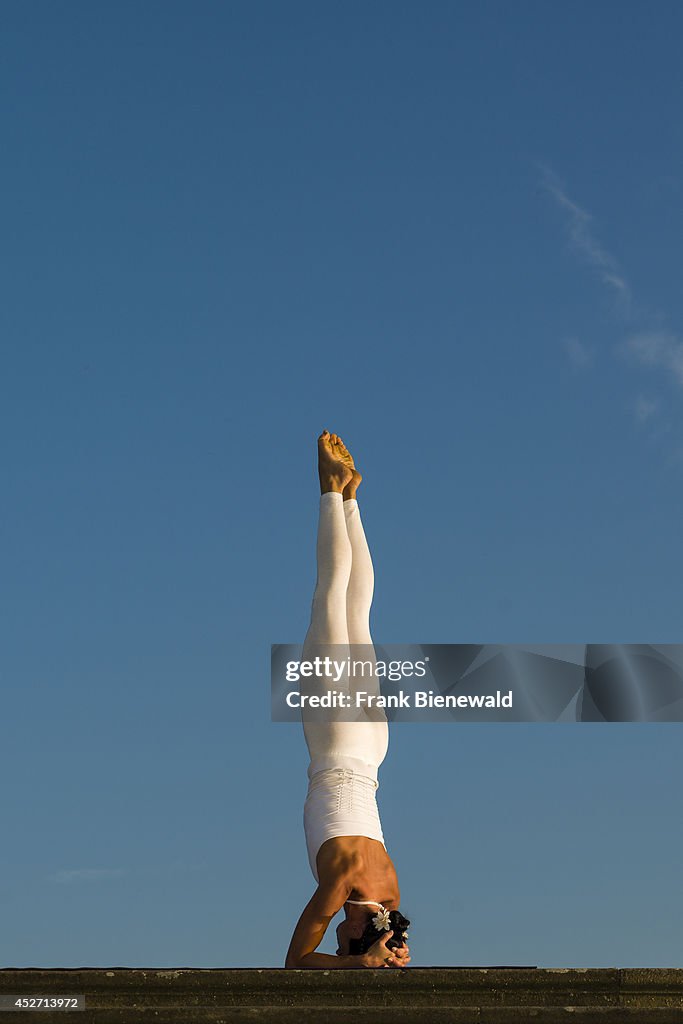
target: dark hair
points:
(398, 923)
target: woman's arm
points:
(377, 956)
(327, 899)
(312, 925)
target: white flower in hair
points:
(381, 921)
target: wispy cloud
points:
(579, 355)
(658, 349)
(650, 348)
(585, 242)
(86, 874)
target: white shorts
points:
(341, 801)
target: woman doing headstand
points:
(343, 832)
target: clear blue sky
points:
(449, 232)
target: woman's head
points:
(357, 940)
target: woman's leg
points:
(334, 559)
(338, 740)
(362, 577)
(328, 632)
(359, 595)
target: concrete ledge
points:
(457, 995)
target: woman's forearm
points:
(326, 961)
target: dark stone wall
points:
(466, 995)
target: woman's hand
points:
(379, 956)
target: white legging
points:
(340, 615)
(344, 755)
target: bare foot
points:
(345, 456)
(334, 473)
